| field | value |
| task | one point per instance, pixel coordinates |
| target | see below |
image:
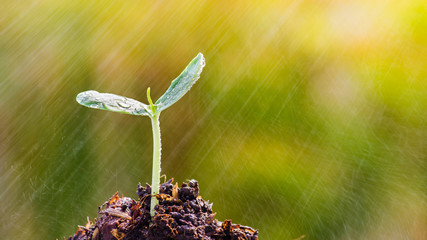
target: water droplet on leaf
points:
(123, 104)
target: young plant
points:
(178, 88)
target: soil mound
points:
(181, 214)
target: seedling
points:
(115, 103)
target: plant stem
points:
(157, 148)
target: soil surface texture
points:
(181, 214)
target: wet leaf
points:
(182, 84)
(112, 102)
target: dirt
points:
(181, 214)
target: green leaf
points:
(182, 84)
(112, 102)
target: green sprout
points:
(115, 103)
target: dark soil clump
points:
(181, 214)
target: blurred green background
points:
(309, 117)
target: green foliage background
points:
(309, 118)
